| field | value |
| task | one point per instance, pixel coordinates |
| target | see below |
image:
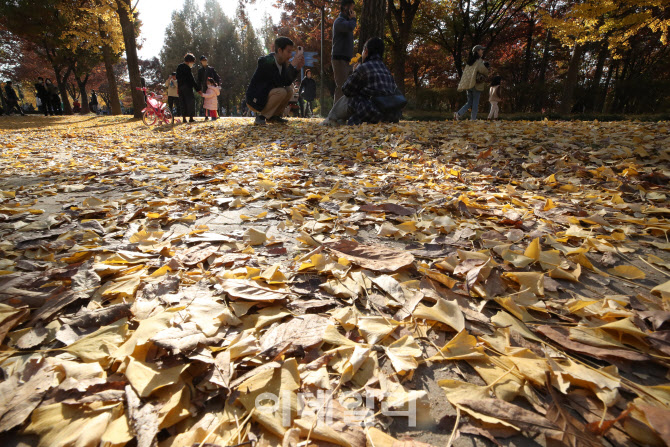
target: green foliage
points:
(231, 45)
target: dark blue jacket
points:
(343, 38)
(265, 78)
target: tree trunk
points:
(115, 106)
(594, 93)
(571, 79)
(400, 20)
(415, 74)
(128, 28)
(541, 79)
(111, 81)
(85, 108)
(62, 87)
(372, 21)
(602, 99)
(399, 57)
(528, 59)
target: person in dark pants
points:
(43, 95)
(307, 94)
(187, 84)
(271, 86)
(173, 93)
(343, 45)
(12, 99)
(206, 72)
(54, 97)
(93, 103)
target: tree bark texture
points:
(567, 97)
(372, 21)
(128, 29)
(113, 88)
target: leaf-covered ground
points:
(505, 282)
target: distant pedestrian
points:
(76, 106)
(473, 81)
(204, 73)
(43, 95)
(12, 99)
(494, 97)
(54, 97)
(173, 93)
(211, 102)
(187, 84)
(307, 94)
(343, 45)
(93, 103)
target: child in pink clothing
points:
(211, 103)
(494, 98)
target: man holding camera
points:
(271, 86)
(343, 45)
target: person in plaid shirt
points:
(371, 78)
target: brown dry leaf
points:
(250, 290)
(657, 418)
(374, 257)
(21, 393)
(496, 411)
(561, 336)
(296, 335)
(10, 317)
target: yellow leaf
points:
(444, 311)
(627, 271)
(533, 250)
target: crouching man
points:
(370, 93)
(271, 86)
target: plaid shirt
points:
(371, 78)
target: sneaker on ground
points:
(260, 120)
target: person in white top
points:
(494, 97)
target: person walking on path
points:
(54, 97)
(343, 45)
(173, 93)
(271, 86)
(187, 84)
(307, 94)
(473, 81)
(211, 102)
(494, 97)
(93, 103)
(204, 73)
(12, 99)
(43, 95)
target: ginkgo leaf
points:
(628, 271)
(251, 290)
(444, 311)
(403, 353)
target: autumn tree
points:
(401, 15)
(127, 19)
